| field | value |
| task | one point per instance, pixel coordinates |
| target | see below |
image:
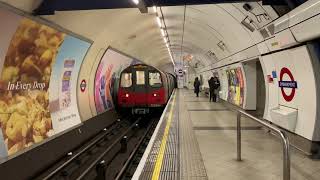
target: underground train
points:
(143, 87)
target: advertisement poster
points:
(107, 77)
(236, 86)
(63, 84)
(29, 52)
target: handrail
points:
(282, 135)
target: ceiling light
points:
(154, 9)
(163, 33)
(165, 39)
(159, 21)
(135, 1)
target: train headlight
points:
(154, 95)
(127, 95)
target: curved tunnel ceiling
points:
(136, 34)
(207, 25)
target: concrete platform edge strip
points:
(146, 153)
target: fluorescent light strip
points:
(162, 32)
(159, 21)
(165, 40)
(135, 2)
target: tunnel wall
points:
(101, 70)
(67, 76)
(294, 65)
(287, 51)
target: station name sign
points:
(288, 84)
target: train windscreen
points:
(155, 79)
(140, 76)
(126, 79)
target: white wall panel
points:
(250, 74)
(272, 97)
(307, 30)
(299, 63)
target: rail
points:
(104, 153)
(282, 135)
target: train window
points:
(155, 79)
(140, 77)
(126, 79)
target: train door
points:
(141, 88)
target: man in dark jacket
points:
(196, 85)
(216, 85)
(211, 88)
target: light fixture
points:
(154, 9)
(162, 32)
(159, 21)
(165, 39)
(135, 1)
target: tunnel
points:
(63, 66)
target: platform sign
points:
(274, 74)
(83, 85)
(180, 72)
(292, 84)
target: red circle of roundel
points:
(289, 97)
(83, 85)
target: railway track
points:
(105, 156)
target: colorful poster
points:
(25, 75)
(63, 84)
(33, 55)
(236, 86)
(107, 78)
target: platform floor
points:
(197, 140)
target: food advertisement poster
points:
(107, 77)
(31, 55)
(236, 86)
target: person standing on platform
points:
(216, 85)
(211, 88)
(196, 85)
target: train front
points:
(141, 89)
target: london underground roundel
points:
(83, 85)
(291, 84)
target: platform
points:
(196, 139)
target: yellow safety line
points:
(157, 167)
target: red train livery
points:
(142, 87)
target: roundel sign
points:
(83, 85)
(180, 72)
(291, 84)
